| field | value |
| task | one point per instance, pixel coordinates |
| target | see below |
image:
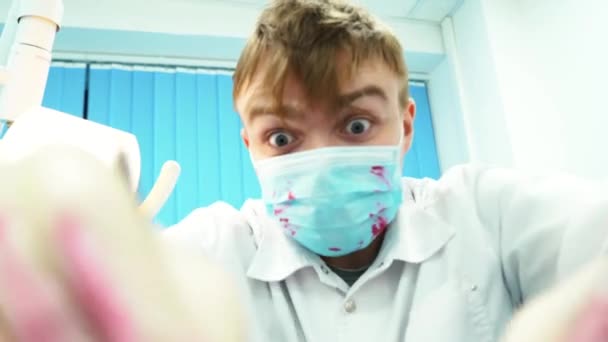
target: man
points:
(340, 248)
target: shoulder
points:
(217, 230)
(458, 181)
(501, 195)
(475, 191)
(483, 182)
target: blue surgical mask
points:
(335, 200)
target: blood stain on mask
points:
(379, 226)
(287, 226)
(291, 196)
(281, 209)
(380, 172)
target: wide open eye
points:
(280, 139)
(358, 126)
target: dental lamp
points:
(25, 58)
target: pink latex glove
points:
(79, 262)
(34, 307)
(592, 325)
(574, 311)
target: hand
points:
(574, 311)
(78, 262)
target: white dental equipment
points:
(25, 58)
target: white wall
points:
(482, 111)
(211, 33)
(447, 115)
(511, 82)
(533, 75)
(198, 18)
(571, 62)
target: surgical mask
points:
(335, 200)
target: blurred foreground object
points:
(42, 126)
(26, 43)
(574, 311)
(39, 127)
(79, 261)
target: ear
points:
(245, 137)
(408, 124)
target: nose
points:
(315, 140)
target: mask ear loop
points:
(400, 154)
(401, 137)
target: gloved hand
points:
(78, 262)
(574, 311)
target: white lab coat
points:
(462, 255)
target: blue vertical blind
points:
(421, 160)
(65, 90)
(187, 115)
(180, 114)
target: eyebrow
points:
(370, 90)
(343, 100)
(286, 109)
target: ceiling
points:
(427, 10)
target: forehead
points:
(368, 73)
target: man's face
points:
(369, 114)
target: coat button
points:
(350, 306)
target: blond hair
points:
(305, 37)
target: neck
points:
(359, 259)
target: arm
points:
(218, 231)
(548, 226)
(574, 310)
(74, 242)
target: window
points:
(187, 115)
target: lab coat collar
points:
(277, 255)
(416, 234)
